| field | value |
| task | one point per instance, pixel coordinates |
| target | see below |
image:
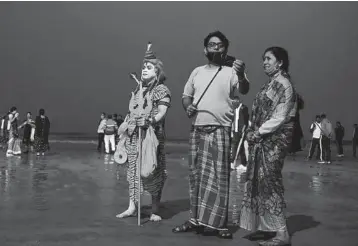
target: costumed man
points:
(239, 126)
(208, 101)
(147, 114)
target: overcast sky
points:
(73, 59)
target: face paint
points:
(148, 72)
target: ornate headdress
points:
(150, 57)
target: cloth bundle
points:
(149, 153)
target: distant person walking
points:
(326, 136)
(42, 131)
(238, 130)
(4, 133)
(355, 140)
(29, 132)
(109, 135)
(297, 136)
(339, 132)
(100, 131)
(14, 141)
(315, 129)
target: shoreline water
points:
(83, 138)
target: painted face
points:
(102, 116)
(270, 63)
(148, 72)
(28, 115)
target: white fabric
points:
(236, 119)
(2, 124)
(149, 153)
(317, 131)
(109, 139)
(101, 126)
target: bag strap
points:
(196, 104)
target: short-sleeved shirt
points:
(216, 106)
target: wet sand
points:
(71, 197)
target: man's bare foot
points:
(128, 213)
(155, 218)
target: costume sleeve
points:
(285, 96)
(161, 92)
(189, 86)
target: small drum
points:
(120, 156)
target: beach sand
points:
(71, 197)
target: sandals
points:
(224, 234)
(188, 227)
(274, 242)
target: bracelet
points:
(153, 121)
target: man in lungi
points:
(208, 100)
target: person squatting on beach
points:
(238, 136)
(209, 154)
(42, 131)
(269, 136)
(157, 99)
(14, 143)
(29, 133)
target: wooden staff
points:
(139, 156)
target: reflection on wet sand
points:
(237, 186)
(108, 162)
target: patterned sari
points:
(263, 203)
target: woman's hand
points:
(253, 137)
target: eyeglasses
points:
(213, 45)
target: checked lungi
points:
(209, 164)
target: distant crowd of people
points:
(108, 132)
(323, 134)
(35, 133)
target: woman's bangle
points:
(153, 121)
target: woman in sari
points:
(13, 146)
(42, 130)
(158, 96)
(29, 128)
(4, 132)
(269, 137)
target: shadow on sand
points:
(295, 224)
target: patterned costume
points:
(153, 94)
